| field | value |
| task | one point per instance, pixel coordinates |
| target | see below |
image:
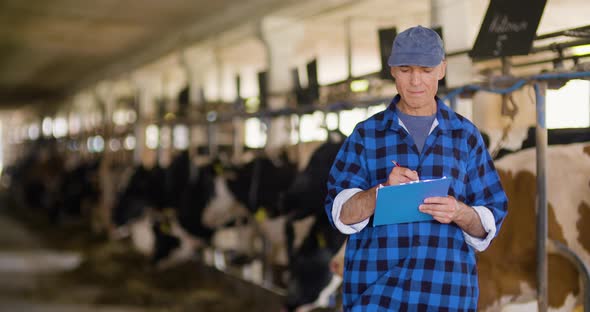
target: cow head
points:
(261, 182)
(306, 194)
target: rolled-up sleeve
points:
(489, 225)
(349, 171)
(339, 201)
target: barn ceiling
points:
(49, 48)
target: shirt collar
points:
(445, 117)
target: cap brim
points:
(414, 59)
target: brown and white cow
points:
(507, 269)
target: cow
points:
(507, 269)
(309, 260)
(252, 193)
(144, 189)
(212, 203)
(153, 202)
(37, 175)
(76, 189)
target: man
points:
(419, 266)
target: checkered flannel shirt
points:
(422, 266)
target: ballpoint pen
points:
(397, 165)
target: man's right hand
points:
(362, 205)
(400, 175)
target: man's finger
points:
(436, 200)
(410, 174)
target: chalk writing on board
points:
(509, 28)
(500, 44)
(502, 24)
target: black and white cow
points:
(76, 188)
(206, 206)
(309, 260)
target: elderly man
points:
(416, 266)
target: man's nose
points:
(415, 78)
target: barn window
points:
(311, 127)
(119, 117)
(180, 135)
(372, 110)
(332, 121)
(33, 132)
(129, 143)
(47, 126)
(114, 145)
(255, 133)
(349, 119)
(569, 106)
(95, 144)
(151, 136)
(60, 127)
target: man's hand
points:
(400, 175)
(448, 209)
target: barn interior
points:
(109, 109)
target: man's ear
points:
(443, 69)
(391, 72)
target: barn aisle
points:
(46, 268)
(26, 267)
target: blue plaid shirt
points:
(422, 266)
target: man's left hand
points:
(442, 209)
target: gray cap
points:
(418, 46)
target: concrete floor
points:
(24, 264)
(46, 268)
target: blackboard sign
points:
(183, 101)
(263, 89)
(386, 37)
(508, 28)
(443, 82)
(313, 85)
(311, 94)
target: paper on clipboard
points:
(399, 203)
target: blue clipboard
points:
(399, 203)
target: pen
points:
(397, 165)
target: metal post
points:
(212, 139)
(349, 48)
(541, 141)
(238, 138)
(138, 128)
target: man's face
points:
(417, 87)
